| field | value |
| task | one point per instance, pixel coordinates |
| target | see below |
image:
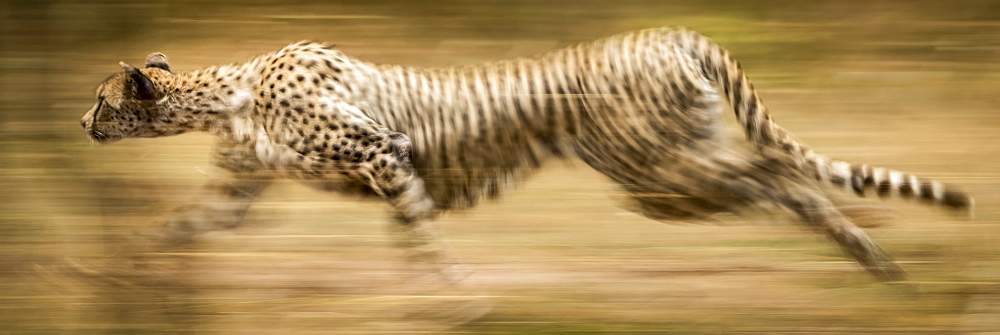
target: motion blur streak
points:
(909, 85)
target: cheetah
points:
(644, 108)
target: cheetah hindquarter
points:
(643, 108)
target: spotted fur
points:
(644, 108)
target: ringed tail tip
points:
(959, 201)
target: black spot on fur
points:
(905, 188)
(884, 188)
(956, 199)
(857, 180)
(926, 191)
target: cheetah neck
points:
(218, 100)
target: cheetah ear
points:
(159, 60)
(141, 85)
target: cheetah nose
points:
(83, 123)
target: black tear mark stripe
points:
(100, 103)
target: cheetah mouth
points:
(101, 137)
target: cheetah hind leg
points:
(818, 213)
(779, 182)
(783, 184)
(696, 187)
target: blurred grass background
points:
(911, 85)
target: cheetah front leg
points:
(223, 200)
(221, 204)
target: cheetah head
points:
(127, 103)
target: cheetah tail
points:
(887, 182)
(763, 132)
